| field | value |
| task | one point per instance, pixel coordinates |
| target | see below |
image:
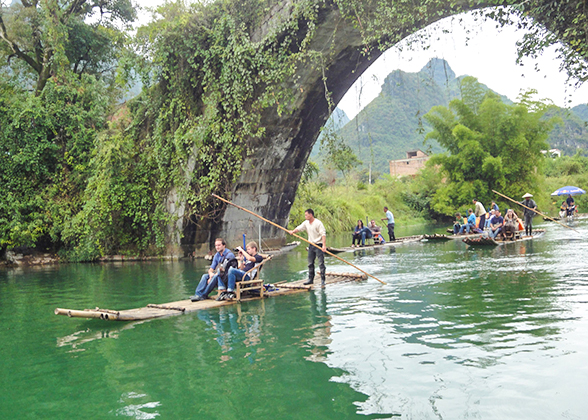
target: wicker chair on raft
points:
(255, 282)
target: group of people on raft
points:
(226, 270)
(479, 221)
(361, 232)
(568, 207)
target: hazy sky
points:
(473, 48)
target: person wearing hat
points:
(528, 214)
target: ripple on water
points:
(465, 318)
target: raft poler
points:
(528, 213)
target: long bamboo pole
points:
(293, 234)
(539, 213)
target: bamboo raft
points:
(398, 241)
(288, 247)
(468, 235)
(485, 241)
(436, 237)
(185, 306)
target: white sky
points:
(487, 53)
(474, 48)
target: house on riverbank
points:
(415, 160)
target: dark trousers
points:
(313, 253)
(391, 231)
(482, 221)
(362, 235)
(529, 224)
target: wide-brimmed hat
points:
(527, 195)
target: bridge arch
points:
(270, 176)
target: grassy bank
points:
(339, 206)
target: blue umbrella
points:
(569, 190)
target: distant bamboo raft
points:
(436, 237)
(488, 241)
(397, 242)
(184, 306)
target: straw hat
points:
(527, 195)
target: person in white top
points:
(390, 218)
(317, 235)
(479, 211)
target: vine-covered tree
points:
(57, 67)
(490, 145)
(38, 35)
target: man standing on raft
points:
(317, 235)
(528, 202)
(390, 218)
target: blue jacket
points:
(218, 258)
(472, 219)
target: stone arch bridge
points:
(270, 178)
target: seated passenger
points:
(571, 205)
(457, 223)
(361, 232)
(563, 209)
(376, 232)
(488, 219)
(471, 223)
(247, 260)
(511, 224)
(496, 225)
(209, 280)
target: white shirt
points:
(390, 217)
(316, 230)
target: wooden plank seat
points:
(255, 281)
(510, 236)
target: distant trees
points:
(490, 145)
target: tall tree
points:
(490, 145)
(43, 34)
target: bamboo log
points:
(89, 313)
(287, 286)
(170, 308)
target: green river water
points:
(457, 333)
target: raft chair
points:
(377, 239)
(255, 281)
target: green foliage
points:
(310, 172)
(566, 166)
(491, 145)
(565, 25)
(46, 143)
(340, 206)
(73, 180)
(212, 81)
(43, 38)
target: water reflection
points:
(232, 325)
(457, 333)
(89, 334)
(321, 327)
